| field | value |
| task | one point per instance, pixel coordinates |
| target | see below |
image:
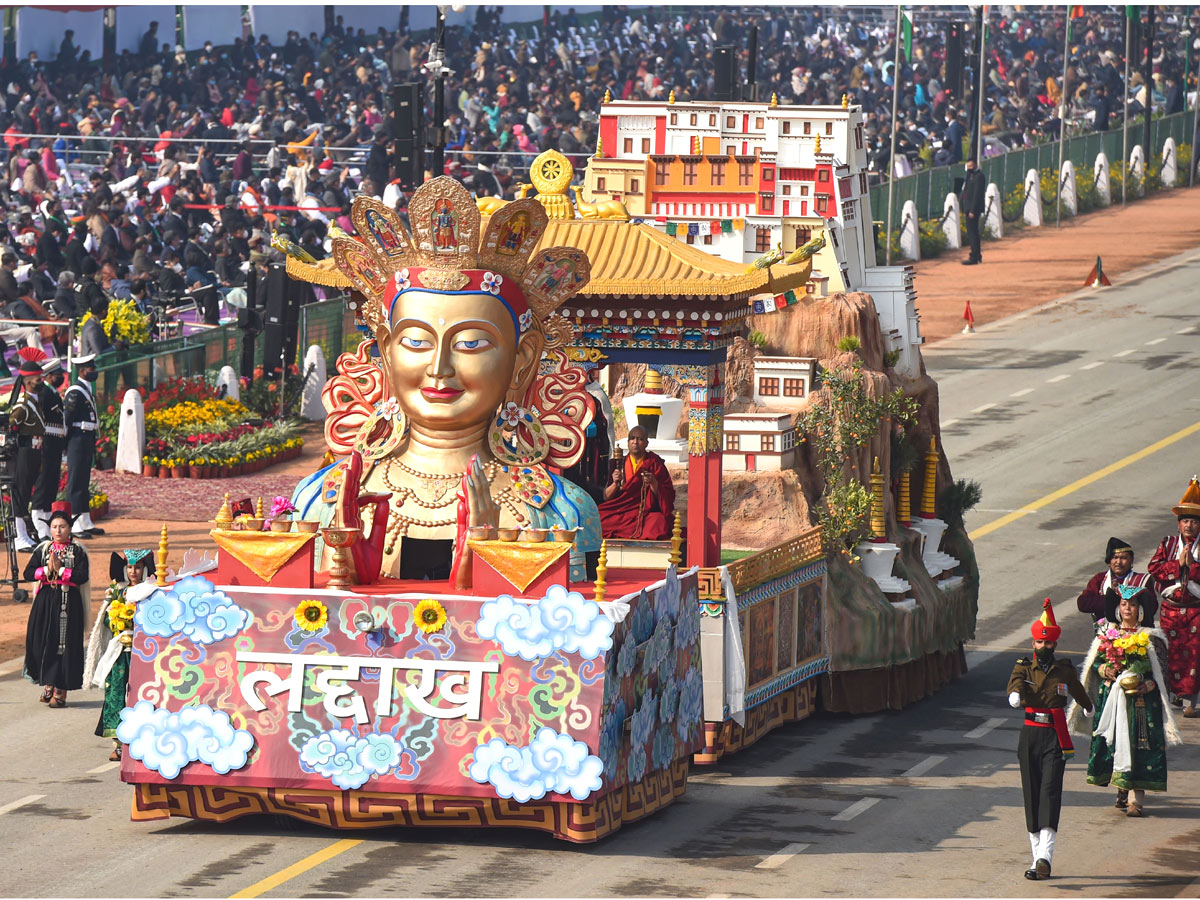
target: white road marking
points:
(983, 408)
(983, 729)
(949, 422)
(1091, 366)
(1187, 330)
(1058, 378)
(16, 804)
(775, 860)
(107, 767)
(1126, 352)
(856, 809)
(1155, 341)
(923, 766)
(1022, 393)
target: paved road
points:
(919, 803)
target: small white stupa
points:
(932, 528)
(659, 414)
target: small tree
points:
(836, 425)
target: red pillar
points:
(706, 430)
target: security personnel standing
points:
(82, 421)
(26, 418)
(45, 492)
(1041, 685)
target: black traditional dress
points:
(57, 622)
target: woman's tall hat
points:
(1046, 628)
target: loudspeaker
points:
(409, 164)
(276, 318)
(408, 113)
(723, 65)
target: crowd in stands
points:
(162, 172)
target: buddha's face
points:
(451, 360)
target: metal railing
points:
(928, 188)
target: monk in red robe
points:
(639, 500)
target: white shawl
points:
(1114, 724)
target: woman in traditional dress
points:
(112, 635)
(1132, 728)
(59, 618)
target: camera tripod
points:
(8, 521)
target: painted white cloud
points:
(553, 763)
(166, 742)
(560, 620)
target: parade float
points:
(442, 637)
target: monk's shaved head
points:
(639, 431)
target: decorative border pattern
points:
(729, 737)
(782, 682)
(709, 588)
(761, 567)
(576, 822)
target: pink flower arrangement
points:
(280, 506)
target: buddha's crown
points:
(446, 253)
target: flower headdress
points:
(445, 253)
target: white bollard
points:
(131, 434)
(1033, 199)
(311, 407)
(910, 234)
(227, 378)
(993, 213)
(1066, 187)
(1170, 163)
(1137, 170)
(1100, 173)
(951, 222)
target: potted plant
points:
(149, 466)
(280, 516)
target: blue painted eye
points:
(416, 343)
(477, 344)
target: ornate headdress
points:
(1189, 506)
(445, 253)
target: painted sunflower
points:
(312, 615)
(430, 616)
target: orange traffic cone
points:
(969, 328)
(1097, 277)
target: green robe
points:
(1148, 770)
(115, 686)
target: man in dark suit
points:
(973, 193)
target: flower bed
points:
(190, 433)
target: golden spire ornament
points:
(929, 489)
(607, 96)
(676, 556)
(224, 517)
(671, 96)
(817, 147)
(774, 100)
(258, 509)
(904, 501)
(599, 146)
(878, 521)
(161, 580)
(601, 573)
(845, 101)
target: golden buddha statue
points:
(450, 411)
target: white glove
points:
(1014, 700)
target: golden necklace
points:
(436, 489)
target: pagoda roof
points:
(631, 259)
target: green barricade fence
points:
(327, 324)
(927, 189)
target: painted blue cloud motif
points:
(687, 629)
(658, 649)
(643, 618)
(610, 739)
(166, 742)
(663, 752)
(691, 704)
(627, 657)
(193, 607)
(553, 763)
(640, 730)
(561, 620)
(349, 759)
(666, 599)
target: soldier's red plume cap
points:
(1045, 628)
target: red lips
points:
(440, 394)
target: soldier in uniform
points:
(26, 418)
(82, 421)
(46, 490)
(1041, 685)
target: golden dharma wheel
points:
(551, 172)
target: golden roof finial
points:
(671, 96)
(845, 101)
(161, 581)
(878, 522)
(607, 96)
(676, 556)
(774, 100)
(601, 572)
(258, 509)
(904, 500)
(817, 148)
(599, 147)
(929, 489)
